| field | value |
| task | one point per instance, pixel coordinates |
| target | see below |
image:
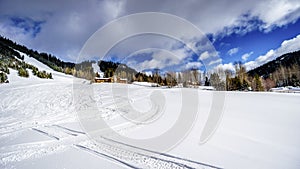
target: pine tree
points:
(257, 84)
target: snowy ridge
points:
(58, 76)
(35, 62)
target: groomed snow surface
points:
(40, 127)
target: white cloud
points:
(289, 46)
(267, 57)
(227, 66)
(68, 24)
(246, 56)
(208, 55)
(262, 15)
(204, 56)
(251, 65)
(277, 13)
(113, 8)
(190, 65)
(158, 58)
(286, 46)
(215, 62)
(233, 51)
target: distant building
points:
(110, 80)
(121, 80)
(103, 80)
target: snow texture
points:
(39, 128)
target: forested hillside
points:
(11, 58)
(48, 59)
(283, 71)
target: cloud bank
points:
(62, 27)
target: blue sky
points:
(253, 32)
(255, 41)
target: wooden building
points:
(110, 80)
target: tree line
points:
(9, 58)
(283, 71)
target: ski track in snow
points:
(45, 108)
(38, 119)
(48, 110)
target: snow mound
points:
(288, 89)
(206, 88)
(147, 84)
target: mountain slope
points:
(47, 59)
(286, 61)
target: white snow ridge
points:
(40, 128)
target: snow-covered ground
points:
(288, 89)
(146, 84)
(40, 126)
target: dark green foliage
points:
(23, 72)
(122, 70)
(141, 77)
(284, 70)
(41, 74)
(108, 67)
(9, 61)
(286, 60)
(257, 84)
(69, 71)
(9, 58)
(7, 48)
(206, 82)
(293, 81)
(44, 74)
(3, 77)
(234, 84)
(84, 70)
(4, 67)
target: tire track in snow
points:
(104, 155)
(164, 154)
(20, 152)
(45, 133)
(118, 153)
(136, 160)
(71, 130)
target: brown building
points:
(110, 80)
(102, 80)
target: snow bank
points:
(147, 84)
(206, 88)
(288, 89)
(258, 130)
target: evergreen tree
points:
(206, 82)
(257, 84)
(23, 72)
